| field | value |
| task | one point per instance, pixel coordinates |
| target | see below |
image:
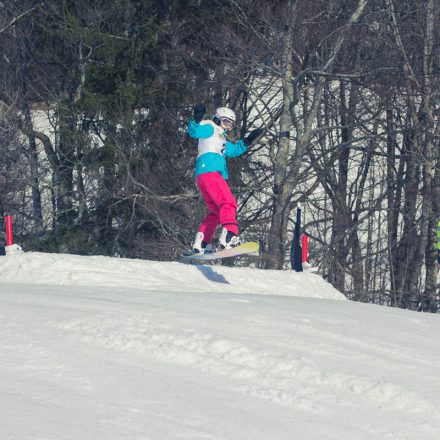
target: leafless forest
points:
(94, 156)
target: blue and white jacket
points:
(213, 147)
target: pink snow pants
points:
(220, 202)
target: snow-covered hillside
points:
(101, 348)
(74, 270)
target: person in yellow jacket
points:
(438, 242)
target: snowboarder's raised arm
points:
(197, 130)
(234, 150)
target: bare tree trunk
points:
(429, 217)
(274, 257)
(35, 176)
(394, 183)
(64, 173)
(104, 216)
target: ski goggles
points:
(227, 123)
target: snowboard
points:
(244, 248)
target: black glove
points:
(254, 134)
(199, 111)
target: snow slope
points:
(74, 270)
(101, 348)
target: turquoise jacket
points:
(209, 162)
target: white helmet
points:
(226, 117)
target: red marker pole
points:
(305, 248)
(9, 239)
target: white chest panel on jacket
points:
(214, 144)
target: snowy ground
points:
(99, 348)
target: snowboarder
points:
(212, 174)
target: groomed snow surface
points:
(98, 348)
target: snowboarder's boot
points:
(200, 246)
(228, 239)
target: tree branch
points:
(18, 18)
